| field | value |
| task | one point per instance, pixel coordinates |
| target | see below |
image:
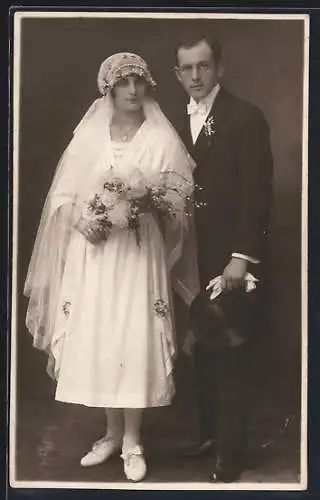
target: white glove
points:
(215, 285)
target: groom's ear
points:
(177, 72)
(220, 70)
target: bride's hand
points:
(92, 231)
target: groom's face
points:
(197, 70)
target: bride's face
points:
(128, 93)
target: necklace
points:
(125, 133)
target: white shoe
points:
(100, 452)
(135, 467)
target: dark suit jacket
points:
(234, 170)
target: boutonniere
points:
(210, 127)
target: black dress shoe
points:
(226, 469)
(201, 450)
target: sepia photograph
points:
(159, 251)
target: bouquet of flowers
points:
(121, 202)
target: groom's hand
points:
(234, 274)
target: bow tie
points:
(193, 108)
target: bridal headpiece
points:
(122, 65)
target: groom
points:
(229, 140)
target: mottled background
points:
(263, 64)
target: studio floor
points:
(51, 438)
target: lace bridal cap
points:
(122, 65)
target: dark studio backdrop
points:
(263, 64)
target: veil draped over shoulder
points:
(69, 188)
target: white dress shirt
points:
(198, 113)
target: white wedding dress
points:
(112, 348)
(103, 312)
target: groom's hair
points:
(190, 39)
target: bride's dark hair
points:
(149, 88)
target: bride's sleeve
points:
(48, 256)
(60, 212)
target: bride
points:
(100, 288)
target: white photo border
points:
(14, 483)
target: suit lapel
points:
(205, 141)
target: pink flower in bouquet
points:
(94, 209)
(119, 214)
(114, 184)
(137, 185)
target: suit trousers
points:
(221, 380)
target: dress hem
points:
(106, 404)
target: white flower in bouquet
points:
(109, 198)
(157, 192)
(137, 185)
(119, 214)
